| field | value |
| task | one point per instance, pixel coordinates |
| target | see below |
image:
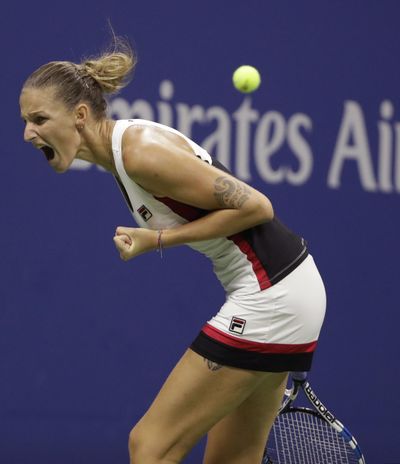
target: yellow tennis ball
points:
(246, 79)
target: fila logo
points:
(237, 325)
(145, 213)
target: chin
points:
(60, 168)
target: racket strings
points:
(303, 438)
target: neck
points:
(96, 144)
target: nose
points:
(29, 132)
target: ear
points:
(81, 115)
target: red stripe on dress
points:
(258, 268)
(192, 213)
(266, 348)
(186, 211)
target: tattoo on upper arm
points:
(230, 193)
(213, 366)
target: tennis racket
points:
(303, 435)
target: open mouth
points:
(48, 152)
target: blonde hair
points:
(90, 80)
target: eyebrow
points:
(33, 113)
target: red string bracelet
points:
(160, 243)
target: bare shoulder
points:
(133, 142)
(152, 153)
(144, 145)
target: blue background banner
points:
(86, 340)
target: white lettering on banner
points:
(187, 116)
(258, 140)
(270, 136)
(300, 148)
(352, 144)
(219, 142)
(385, 148)
(244, 116)
(81, 165)
(165, 113)
(272, 131)
(397, 162)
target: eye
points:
(39, 120)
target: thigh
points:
(195, 396)
(240, 437)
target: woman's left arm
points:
(165, 165)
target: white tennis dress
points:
(276, 300)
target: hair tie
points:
(82, 76)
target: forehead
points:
(38, 99)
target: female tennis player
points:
(230, 381)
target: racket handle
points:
(299, 376)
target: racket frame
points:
(300, 382)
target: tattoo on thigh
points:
(213, 366)
(230, 193)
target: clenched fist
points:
(131, 242)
